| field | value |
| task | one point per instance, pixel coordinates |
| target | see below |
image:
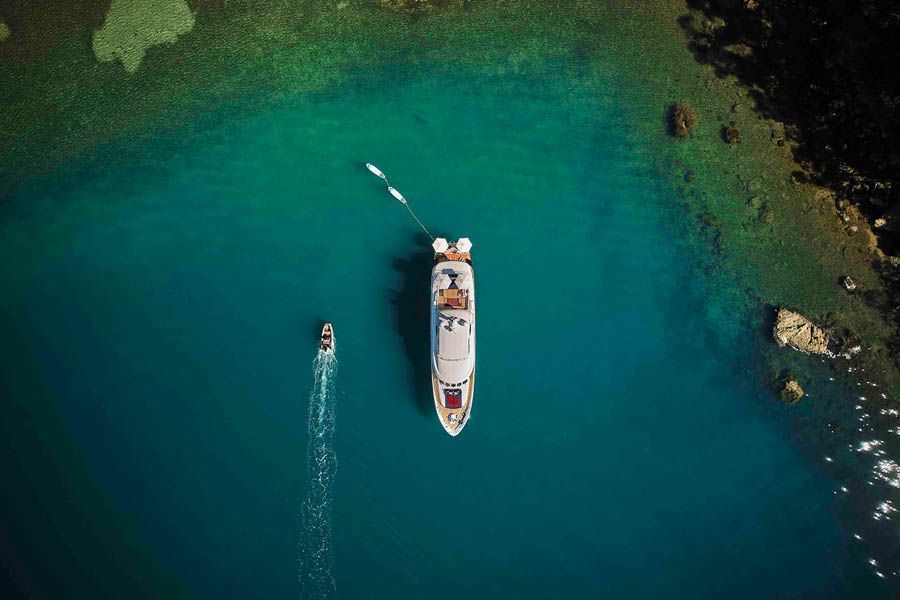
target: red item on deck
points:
(453, 398)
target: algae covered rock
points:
(4, 31)
(133, 26)
(730, 134)
(791, 392)
(794, 330)
(683, 119)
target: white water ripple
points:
(315, 576)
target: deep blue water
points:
(162, 311)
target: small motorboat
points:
(327, 340)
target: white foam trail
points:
(315, 577)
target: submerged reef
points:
(134, 26)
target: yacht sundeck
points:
(453, 333)
(326, 342)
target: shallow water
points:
(164, 311)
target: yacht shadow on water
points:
(412, 320)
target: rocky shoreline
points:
(824, 71)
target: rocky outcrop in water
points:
(794, 330)
(730, 134)
(791, 392)
(683, 119)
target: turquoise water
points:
(162, 299)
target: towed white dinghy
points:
(397, 195)
(376, 171)
(453, 333)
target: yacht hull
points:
(452, 334)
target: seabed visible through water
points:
(180, 219)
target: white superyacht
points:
(453, 333)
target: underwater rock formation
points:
(794, 330)
(792, 392)
(4, 31)
(731, 134)
(683, 119)
(133, 26)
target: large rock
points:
(798, 332)
(683, 119)
(791, 392)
